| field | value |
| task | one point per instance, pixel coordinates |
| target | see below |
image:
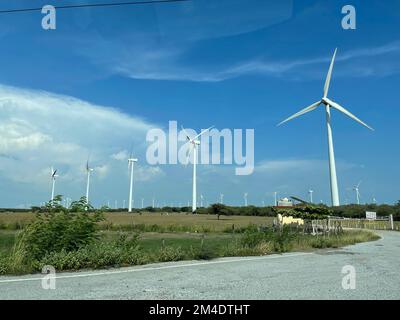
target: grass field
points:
(175, 221)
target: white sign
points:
(370, 215)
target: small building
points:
(285, 202)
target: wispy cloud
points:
(155, 62)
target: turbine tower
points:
(356, 189)
(245, 198)
(328, 105)
(53, 179)
(221, 197)
(194, 143)
(201, 200)
(88, 171)
(131, 162)
(310, 192)
(275, 198)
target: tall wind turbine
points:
(194, 142)
(131, 162)
(245, 198)
(328, 105)
(221, 197)
(89, 170)
(53, 179)
(201, 200)
(310, 192)
(356, 189)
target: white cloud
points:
(39, 129)
(120, 156)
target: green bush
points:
(169, 253)
(54, 232)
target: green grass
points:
(7, 240)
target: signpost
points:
(370, 215)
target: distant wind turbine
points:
(245, 198)
(89, 170)
(328, 105)
(131, 162)
(53, 179)
(356, 189)
(194, 142)
(310, 192)
(201, 200)
(221, 197)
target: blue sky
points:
(105, 76)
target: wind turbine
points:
(131, 162)
(201, 200)
(88, 171)
(275, 198)
(221, 197)
(310, 192)
(53, 179)
(328, 105)
(194, 142)
(356, 189)
(245, 198)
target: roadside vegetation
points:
(85, 238)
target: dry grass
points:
(172, 219)
(186, 220)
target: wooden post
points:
(391, 222)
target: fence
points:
(381, 223)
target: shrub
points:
(169, 254)
(54, 232)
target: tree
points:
(81, 205)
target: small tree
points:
(81, 205)
(219, 209)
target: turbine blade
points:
(201, 133)
(329, 75)
(187, 134)
(189, 154)
(348, 113)
(301, 112)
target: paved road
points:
(289, 276)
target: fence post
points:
(391, 222)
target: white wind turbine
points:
(245, 198)
(194, 142)
(53, 179)
(221, 197)
(131, 162)
(89, 170)
(328, 105)
(310, 192)
(356, 189)
(201, 200)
